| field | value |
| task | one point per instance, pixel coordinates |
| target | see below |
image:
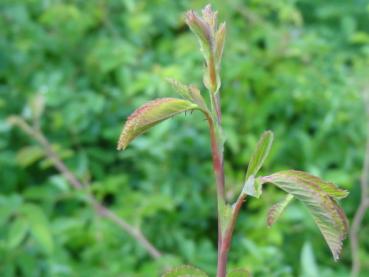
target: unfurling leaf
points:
(210, 16)
(203, 32)
(190, 92)
(185, 271)
(197, 97)
(179, 87)
(261, 152)
(219, 43)
(251, 186)
(277, 209)
(211, 39)
(239, 273)
(318, 195)
(149, 115)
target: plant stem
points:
(227, 238)
(100, 209)
(224, 236)
(219, 179)
(359, 215)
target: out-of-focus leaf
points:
(8, 206)
(29, 155)
(239, 273)
(317, 195)
(308, 263)
(179, 87)
(17, 232)
(37, 105)
(277, 209)
(261, 152)
(185, 271)
(151, 114)
(39, 226)
(63, 153)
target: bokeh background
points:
(297, 67)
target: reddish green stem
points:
(224, 237)
(219, 179)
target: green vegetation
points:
(318, 195)
(71, 71)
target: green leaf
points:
(309, 266)
(261, 152)
(185, 271)
(39, 226)
(239, 273)
(29, 155)
(317, 195)
(151, 114)
(277, 209)
(17, 231)
(252, 187)
(37, 106)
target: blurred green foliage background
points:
(293, 66)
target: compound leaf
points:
(151, 114)
(318, 195)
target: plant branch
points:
(217, 160)
(224, 236)
(100, 209)
(227, 239)
(214, 121)
(219, 179)
(211, 38)
(364, 203)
